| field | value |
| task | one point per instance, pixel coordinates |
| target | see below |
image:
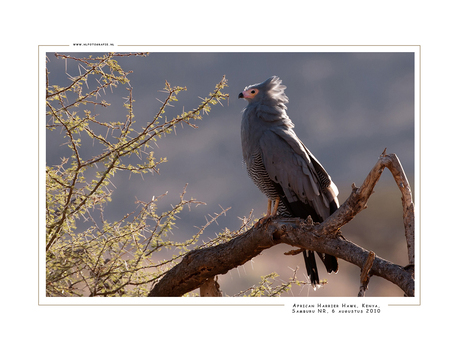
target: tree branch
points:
(200, 265)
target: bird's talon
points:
(262, 221)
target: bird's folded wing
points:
(288, 163)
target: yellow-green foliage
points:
(109, 258)
(267, 287)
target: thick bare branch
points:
(203, 264)
(394, 165)
(296, 233)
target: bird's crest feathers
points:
(270, 102)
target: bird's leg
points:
(270, 213)
(275, 207)
(269, 209)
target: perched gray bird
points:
(281, 165)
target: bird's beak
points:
(241, 95)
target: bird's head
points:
(270, 91)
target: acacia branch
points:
(202, 264)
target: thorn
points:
(384, 152)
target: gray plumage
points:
(280, 164)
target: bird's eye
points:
(250, 93)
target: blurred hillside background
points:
(346, 107)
